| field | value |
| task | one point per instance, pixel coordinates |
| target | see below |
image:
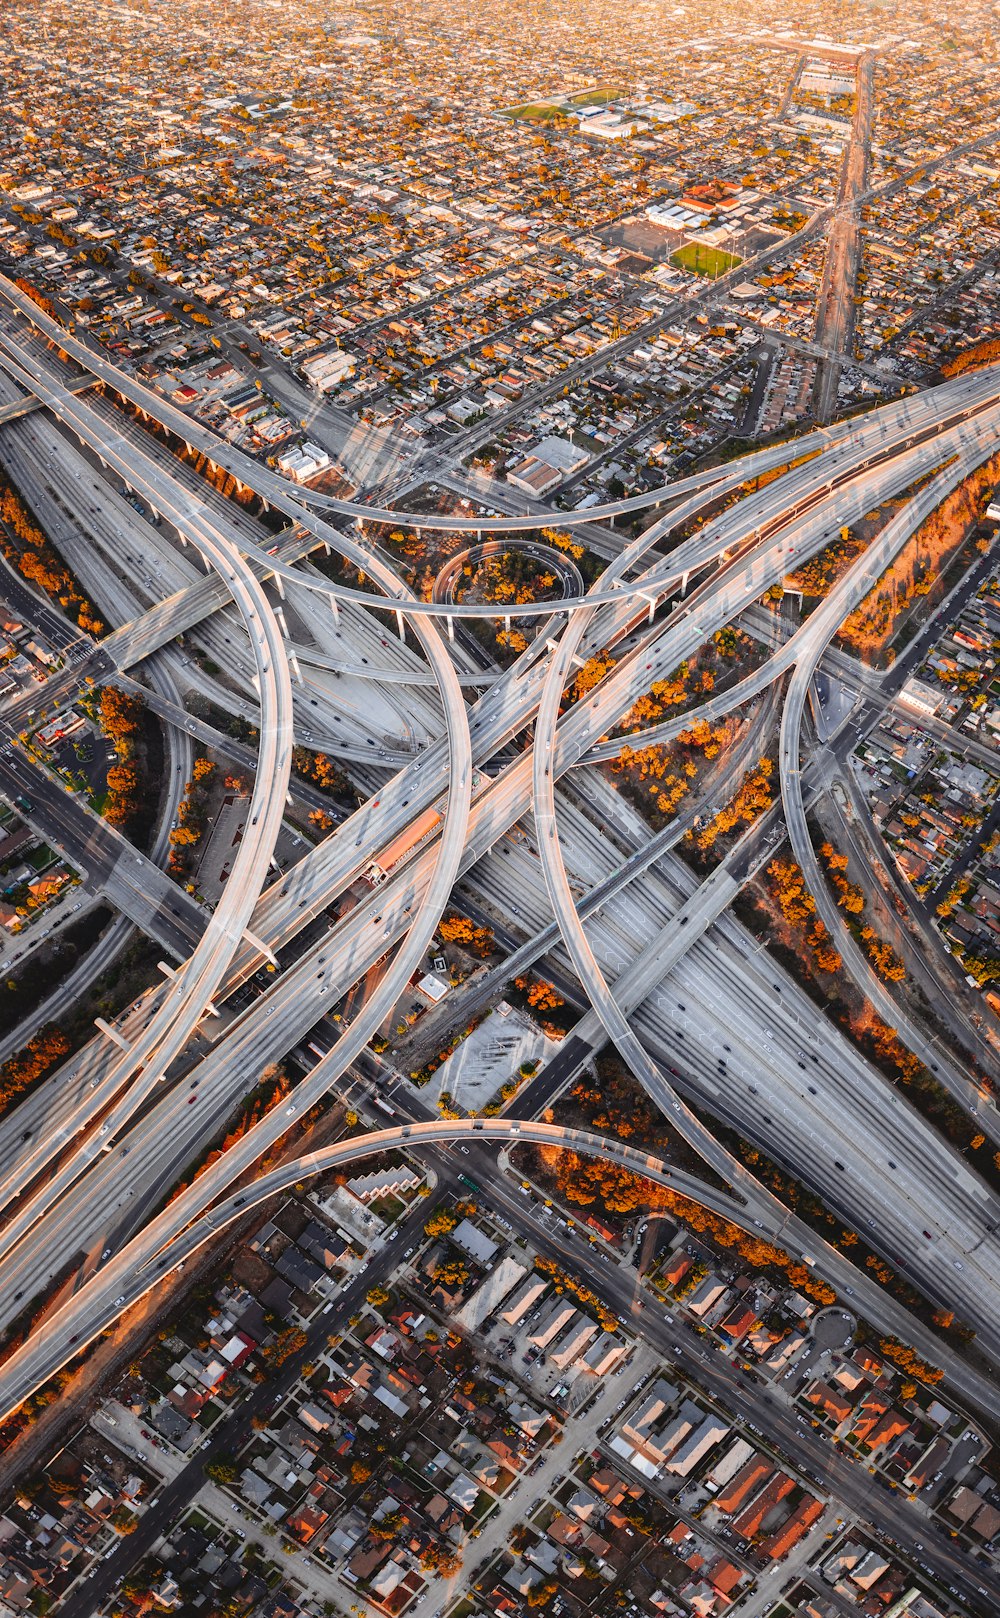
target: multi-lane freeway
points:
(99, 1162)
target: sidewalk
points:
(512, 1508)
(211, 1500)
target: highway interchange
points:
(671, 978)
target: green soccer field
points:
(704, 260)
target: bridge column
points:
(258, 944)
(113, 1034)
(451, 627)
(400, 625)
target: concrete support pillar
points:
(259, 945)
(113, 1034)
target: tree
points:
(542, 1594)
(591, 674)
(455, 929)
(441, 1221)
(454, 1272)
(541, 995)
(37, 1056)
(221, 1472)
(387, 1527)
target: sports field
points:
(702, 260)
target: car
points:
(120, 1299)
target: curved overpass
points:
(885, 429)
(128, 1277)
(563, 566)
(226, 929)
(693, 623)
(186, 1000)
(124, 1279)
(585, 963)
(565, 911)
(723, 606)
(810, 643)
